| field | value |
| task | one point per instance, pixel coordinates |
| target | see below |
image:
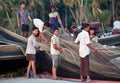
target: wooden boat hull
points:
(100, 65)
(111, 40)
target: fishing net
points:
(103, 62)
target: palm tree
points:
(5, 6)
(96, 10)
(76, 9)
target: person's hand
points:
(45, 42)
(61, 50)
(94, 50)
(18, 24)
(72, 35)
(41, 49)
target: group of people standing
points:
(82, 37)
(23, 18)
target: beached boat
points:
(103, 64)
(110, 40)
(11, 45)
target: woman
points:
(93, 37)
(54, 18)
(31, 51)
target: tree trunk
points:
(72, 14)
(10, 20)
(113, 10)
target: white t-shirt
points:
(84, 39)
(54, 14)
(116, 25)
(54, 40)
(39, 24)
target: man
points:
(41, 25)
(23, 18)
(84, 50)
(31, 52)
(75, 31)
(55, 51)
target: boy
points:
(55, 52)
(23, 18)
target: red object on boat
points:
(95, 25)
(116, 31)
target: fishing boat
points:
(103, 65)
(113, 40)
(11, 45)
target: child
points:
(31, 52)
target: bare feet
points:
(54, 77)
(35, 77)
(27, 77)
(81, 78)
(88, 78)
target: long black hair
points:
(34, 28)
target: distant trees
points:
(71, 11)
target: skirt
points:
(31, 57)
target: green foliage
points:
(41, 9)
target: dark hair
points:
(53, 6)
(22, 3)
(34, 28)
(55, 29)
(47, 24)
(85, 25)
(37, 29)
(73, 27)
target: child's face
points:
(92, 32)
(52, 9)
(75, 30)
(35, 32)
(87, 29)
(22, 6)
(56, 32)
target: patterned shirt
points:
(31, 45)
(23, 16)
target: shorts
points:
(56, 59)
(25, 28)
(31, 57)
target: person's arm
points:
(18, 19)
(34, 43)
(57, 48)
(91, 47)
(29, 16)
(30, 19)
(41, 36)
(87, 41)
(59, 20)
